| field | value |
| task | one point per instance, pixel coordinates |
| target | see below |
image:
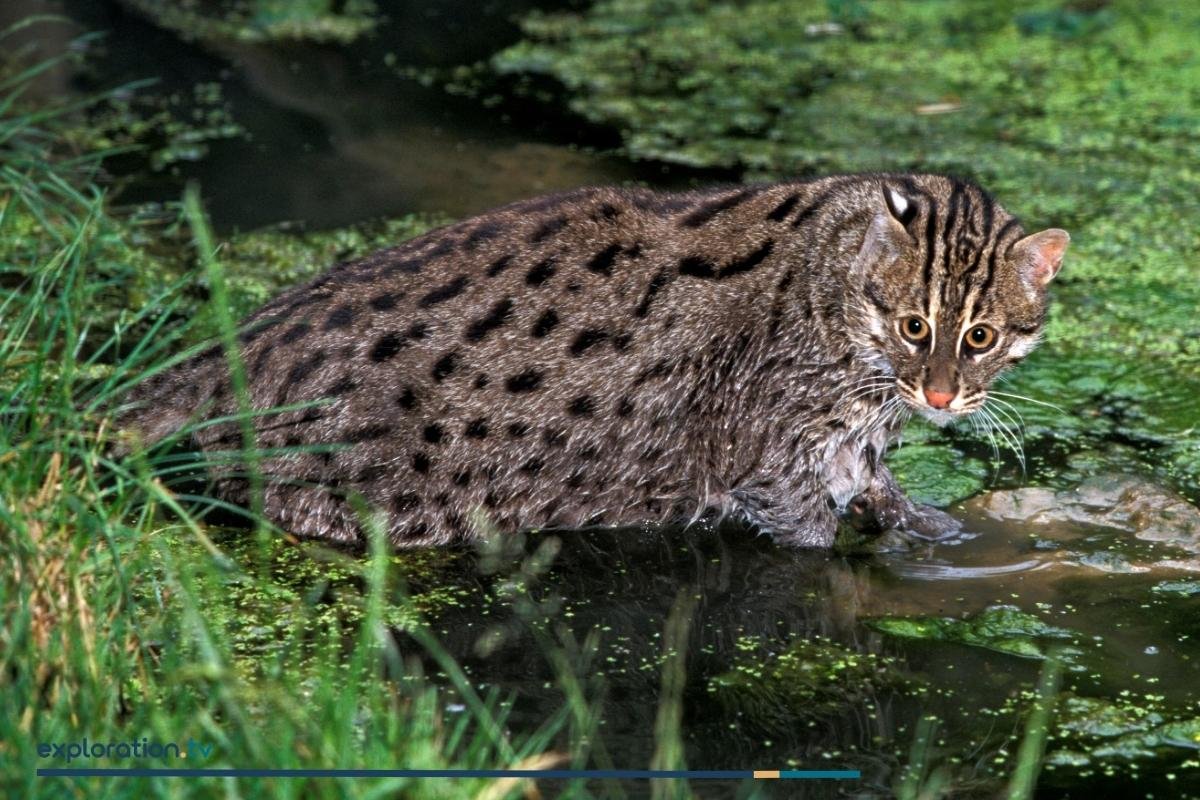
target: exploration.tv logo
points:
(117, 751)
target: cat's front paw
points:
(932, 524)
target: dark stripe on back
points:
(749, 262)
(709, 210)
(783, 209)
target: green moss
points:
(1129, 728)
(1003, 628)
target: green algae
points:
(1180, 588)
(262, 21)
(936, 475)
(1003, 628)
(1128, 728)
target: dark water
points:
(335, 136)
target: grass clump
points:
(118, 628)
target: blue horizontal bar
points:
(223, 772)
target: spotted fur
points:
(619, 356)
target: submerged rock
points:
(1123, 503)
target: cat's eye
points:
(914, 329)
(980, 337)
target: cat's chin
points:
(939, 418)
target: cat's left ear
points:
(1039, 255)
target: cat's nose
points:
(938, 399)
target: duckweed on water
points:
(809, 678)
(259, 21)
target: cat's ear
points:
(1039, 255)
(888, 235)
(900, 206)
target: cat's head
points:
(953, 291)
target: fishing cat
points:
(612, 356)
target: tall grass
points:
(118, 625)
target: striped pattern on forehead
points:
(961, 247)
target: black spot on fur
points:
(462, 477)
(575, 479)
(606, 211)
(498, 266)
(602, 262)
(541, 272)
(624, 407)
(533, 466)
(525, 381)
(656, 284)
(408, 266)
(581, 406)
(517, 429)
(660, 369)
(481, 381)
(295, 333)
(622, 341)
(415, 531)
(340, 317)
(477, 428)
(587, 338)
(418, 330)
(344, 385)
(420, 463)
(383, 302)
(406, 501)
(443, 293)
(549, 228)
(697, 267)
(367, 433)
(388, 345)
(407, 399)
(306, 367)
(482, 233)
(554, 437)
(247, 336)
(545, 323)
(445, 366)
(499, 314)
(433, 433)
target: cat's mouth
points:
(946, 411)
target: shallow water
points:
(334, 136)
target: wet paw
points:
(930, 523)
